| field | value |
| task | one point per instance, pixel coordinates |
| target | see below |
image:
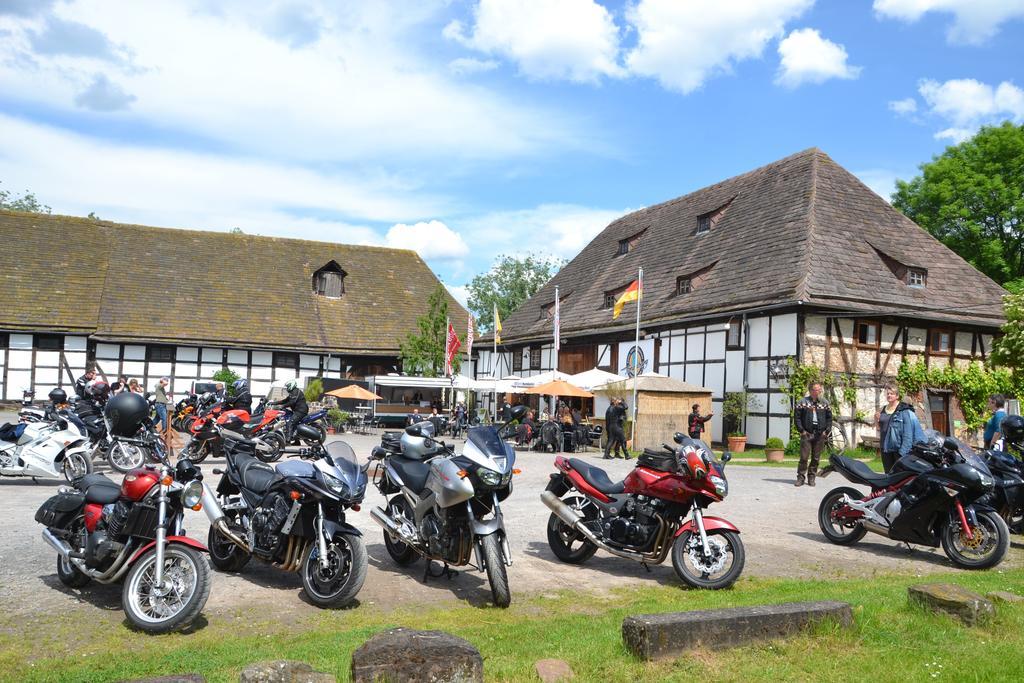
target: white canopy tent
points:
(542, 378)
(593, 378)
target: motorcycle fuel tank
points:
(138, 482)
(448, 486)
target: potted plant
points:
(336, 419)
(774, 449)
(734, 410)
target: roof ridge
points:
(801, 290)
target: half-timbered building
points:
(795, 260)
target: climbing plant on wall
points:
(841, 387)
(971, 385)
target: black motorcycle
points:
(1007, 498)
(292, 516)
(931, 497)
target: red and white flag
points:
(451, 348)
(469, 337)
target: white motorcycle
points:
(47, 450)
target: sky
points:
(470, 129)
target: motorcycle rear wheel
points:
(275, 442)
(840, 533)
(186, 576)
(194, 451)
(988, 547)
(696, 576)
(497, 576)
(402, 553)
(125, 457)
(338, 585)
(561, 537)
(224, 554)
(70, 575)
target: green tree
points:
(228, 377)
(508, 284)
(423, 353)
(314, 390)
(26, 202)
(972, 198)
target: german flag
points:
(632, 293)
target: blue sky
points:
(469, 129)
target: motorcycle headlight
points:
(987, 481)
(488, 477)
(336, 485)
(720, 484)
(192, 494)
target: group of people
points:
(458, 420)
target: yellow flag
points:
(632, 293)
(497, 326)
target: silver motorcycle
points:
(446, 507)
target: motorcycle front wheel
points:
(718, 570)
(338, 583)
(989, 542)
(175, 604)
(497, 576)
(124, 457)
(76, 465)
(196, 451)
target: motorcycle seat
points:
(98, 489)
(413, 472)
(255, 475)
(863, 474)
(597, 477)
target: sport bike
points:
(104, 532)
(1007, 498)
(45, 449)
(931, 497)
(657, 509)
(446, 507)
(292, 517)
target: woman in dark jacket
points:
(898, 428)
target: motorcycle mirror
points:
(678, 437)
(414, 429)
(518, 413)
(951, 444)
(726, 457)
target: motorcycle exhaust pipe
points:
(218, 520)
(875, 528)
(60, 546)
(573, 519)
(391, 526)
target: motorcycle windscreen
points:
(484, 443)
(346, 465)
(971, 457)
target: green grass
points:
(889, 641)
(755, 457)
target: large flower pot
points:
(737, 444)
(774, 454)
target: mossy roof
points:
(130, 282)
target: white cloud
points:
(882, 181)
(904, 107)
(682, 44)
(559, 230)
(430, 239)
(806, 57)
(461, 294)
(575, 40)
(465, 66)
(974, 21)
(968, 104)
(362, 88)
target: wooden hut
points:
(662, 406)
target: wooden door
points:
(576, 359)
(938, 404)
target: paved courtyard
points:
(777, 521)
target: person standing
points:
(902, 429)
(161, 398)
(993, 428)
(814, 422)
(614, 417)
(82, 382)
(884, 419)
(695, 422)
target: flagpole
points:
(636, 349)
(494, 361)
(558, 344)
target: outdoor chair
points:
(595, 434)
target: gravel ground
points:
(777, 521)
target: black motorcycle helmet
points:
(58, 396)
(125, 413)
(1012, 429)
(240, 385)
(98, 390)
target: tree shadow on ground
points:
(606, 563)
(465, 584)
(917, 552)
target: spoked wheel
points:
(989, 542)
(226, 555)
(125, 456)
(274, 447)
(716, 570)
(68, 573)
(568, 544)
(836, 529)
(402, 553)
(76, 465)
(336, 584)
(497, 576)
(175, 603)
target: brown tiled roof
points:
(127, 282)
(801, 229)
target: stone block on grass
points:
(949, 598)
(659, 636)
(553, 670)
(1004, 596)
(408, 655)
(283, 671)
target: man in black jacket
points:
(83, 381)
(242, 399)
(814, 422)
(296, 400)
(614, 418)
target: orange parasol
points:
(354, 391)
(559, 387)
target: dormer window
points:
(684, 285)
(707, 221)
(916, 277)
(329, 281)
(629, 244)
(703, 224)
(691, 281)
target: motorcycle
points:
(931, 497)
(183, 410)
(44, 449)
(1007, 498)
(644, 517)
(446, 507)
(261, 429)
(309, 431)
(292, 517)
(104, 532)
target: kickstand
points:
(446, 571)
(910, 548)
(644, 565)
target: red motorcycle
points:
(645, 516)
